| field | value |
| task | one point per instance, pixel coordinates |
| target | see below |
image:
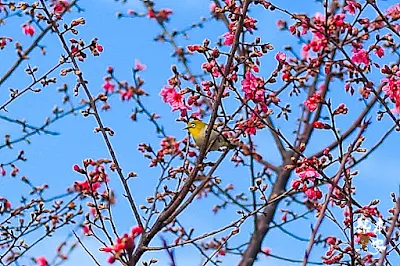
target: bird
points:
(197, 129)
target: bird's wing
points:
(215, 141)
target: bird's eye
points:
(193, 125)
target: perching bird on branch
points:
(197, 129)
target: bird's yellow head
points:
(196, 127)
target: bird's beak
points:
(186, 128)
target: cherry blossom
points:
(162, 15)
(28, 29)
(126, 243)
(41, 261)
(212, 7)
(392, 89)
(281, 57)
(229, 37)
(108, 86)
(306, 172)
(253, 87)
(379, 51)
(351, 6)
(250, 23)
(4, 41)
(312, 102)
(212, 68)
(393, 12)
(251, 125)
(139, 66)
(59, 6)
(175, 99)
(360, 56)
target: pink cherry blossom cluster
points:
(392, 86)
(169, 147)
(393, 12)
(251, 125)
(59, 6)
(41, 261)
(331, 256)
(125, 90)
(175, 99)
(78, 48)
(313, 102)
(249, 23)
(162, 15)
(308, 179)
(317, 27)
(94, 177)
(253, 88)
(351, 7)
(360, 56)
(213, 68)
(124, 245)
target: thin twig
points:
(86, 250)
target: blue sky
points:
(50, 159)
